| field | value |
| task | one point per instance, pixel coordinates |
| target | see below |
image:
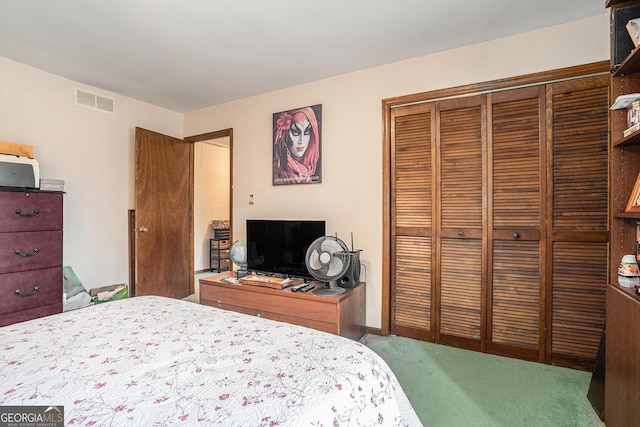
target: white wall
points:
(350, 195)
(92, 151)
(211, 195)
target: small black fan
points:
(328, 260)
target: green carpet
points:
(449, 386)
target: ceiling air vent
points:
(94, 101)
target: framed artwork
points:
(634, 201)
(297, 136)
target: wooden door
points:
(517, 200)
(460, 217)
(411, 231)
(163, 227)
(509, 256)
(578, 214)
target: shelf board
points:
(630, 65)
(632, 139)
(629, 291)
(627, 215)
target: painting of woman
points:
(296, 146)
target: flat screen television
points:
(279, 247)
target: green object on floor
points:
(452, 387)
(121, 294)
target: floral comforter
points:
(153, 361)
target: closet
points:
(496, 216)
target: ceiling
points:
(186, 55)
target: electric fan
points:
(238, 254)
(328, 260)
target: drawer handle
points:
(35, 212)
(28, 294)
(23, 254)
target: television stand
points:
(342, 315)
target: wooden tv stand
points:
(342, 315)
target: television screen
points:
(279, 246)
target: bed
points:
(154, 361)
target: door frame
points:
(223, 133)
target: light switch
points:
(252, 199)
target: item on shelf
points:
(638, 241)
(633, 113)
(621, 42)
(269, 282)
(633, 205)
(19, 171)
(224, 223)
(631, 129)
(238, 254)
(51, 184)
(625, 101)
(628, 271)
(16, 149)
(633, 28)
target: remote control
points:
(298, 287)
(306, 288)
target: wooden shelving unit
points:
(622, 382)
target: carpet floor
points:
(449, 386)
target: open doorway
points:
(212, 194)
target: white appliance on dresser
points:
(30, 254)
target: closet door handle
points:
(26, 215)
(516, 235)
(27, 294)
(27, 254)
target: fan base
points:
(328, 292)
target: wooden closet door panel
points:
(515, 302)
(411, 221)
(461, 156)
(460, 146)
(579, 217)
(516, 189)
(461, 293)
(412, 290)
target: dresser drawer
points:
(29, 250)
(23, 316)
(224, 254)
(260, 302)
(23, 211)
(220, 244)
(37, 288)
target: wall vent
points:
(94, 101)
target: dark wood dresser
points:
(30, 254)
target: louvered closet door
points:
(460, 162)
(411, 130)
(580, 235)
(516, 207)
